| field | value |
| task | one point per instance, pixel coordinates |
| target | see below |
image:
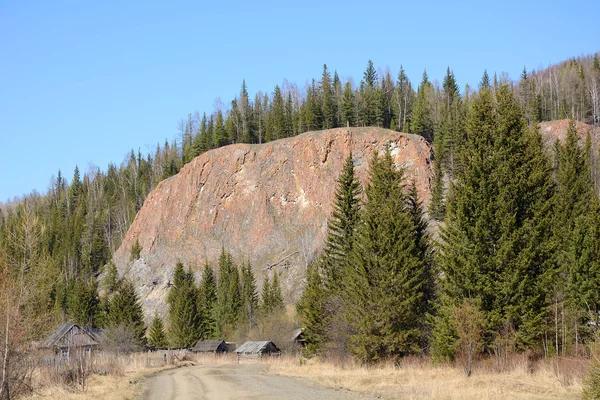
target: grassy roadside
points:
(551, 379)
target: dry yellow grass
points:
(122, 381)
(421, 380)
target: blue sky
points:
(84, 82)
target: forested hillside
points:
(57, 243)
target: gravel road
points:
(235, 381)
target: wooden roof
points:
(210, 346)
(258, 348)
(69, 335)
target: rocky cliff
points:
(263, 203)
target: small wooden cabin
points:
(70, 336)
(250, 351)
(210, 346)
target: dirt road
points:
(234, 381)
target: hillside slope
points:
(259, 202)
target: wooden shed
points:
(250, 351)
(69, 336)
(298, 337)
(210, 346)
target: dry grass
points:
(118, 378)
(418, 379)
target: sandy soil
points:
(234, 381)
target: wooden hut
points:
(210, 346)
(70, 336)
(250, 351)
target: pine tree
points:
(156, 333)
(385, 290)
(341, 226)
(494, 246)
(311, 309)
(125, 310)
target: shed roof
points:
(83, 337)
(208, 345)
(297, 334)
(256, 347)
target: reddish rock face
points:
(259, 202)
(557, 130)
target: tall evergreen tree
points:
(421, 121)
(229, 300)
(327, 100)
(184, 311)
(249, 294)
(311, 309)
(208, 302)
(494, 246)
(125, 310)
(341, 227)
(348, 106)
(385, 287)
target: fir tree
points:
(327, 100)
(421, 121)
(249, 294)
(348, 105)
(184, 312)
(495, 242)
(341, 226)
(156, 334)
(125, 310)
(229, 300)
(208, 301)
(83, 303)
(385, 289)
(311, 309)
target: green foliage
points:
(272, 298)
(249, 295)
(386, 285)
(125, 310)
(208, 302)
(157, 336)
(83, 303)
(495, 242)
(185, 314)
(421, 120)
(311, 309)
(228, 308)
(341, 226)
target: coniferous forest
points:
(513, 265)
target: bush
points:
(591, 385)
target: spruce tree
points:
(249, 295)
(421, 121)
(229, 300)
(494, 246)
(385, 288)
(83, 303)
(125, 310)
(327, 100)
(311, 309)
(185, 314)
(208, 301)
(341, 226)
(348, 106)
(156, 334)
(277, 303)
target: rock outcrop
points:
(263, 203)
